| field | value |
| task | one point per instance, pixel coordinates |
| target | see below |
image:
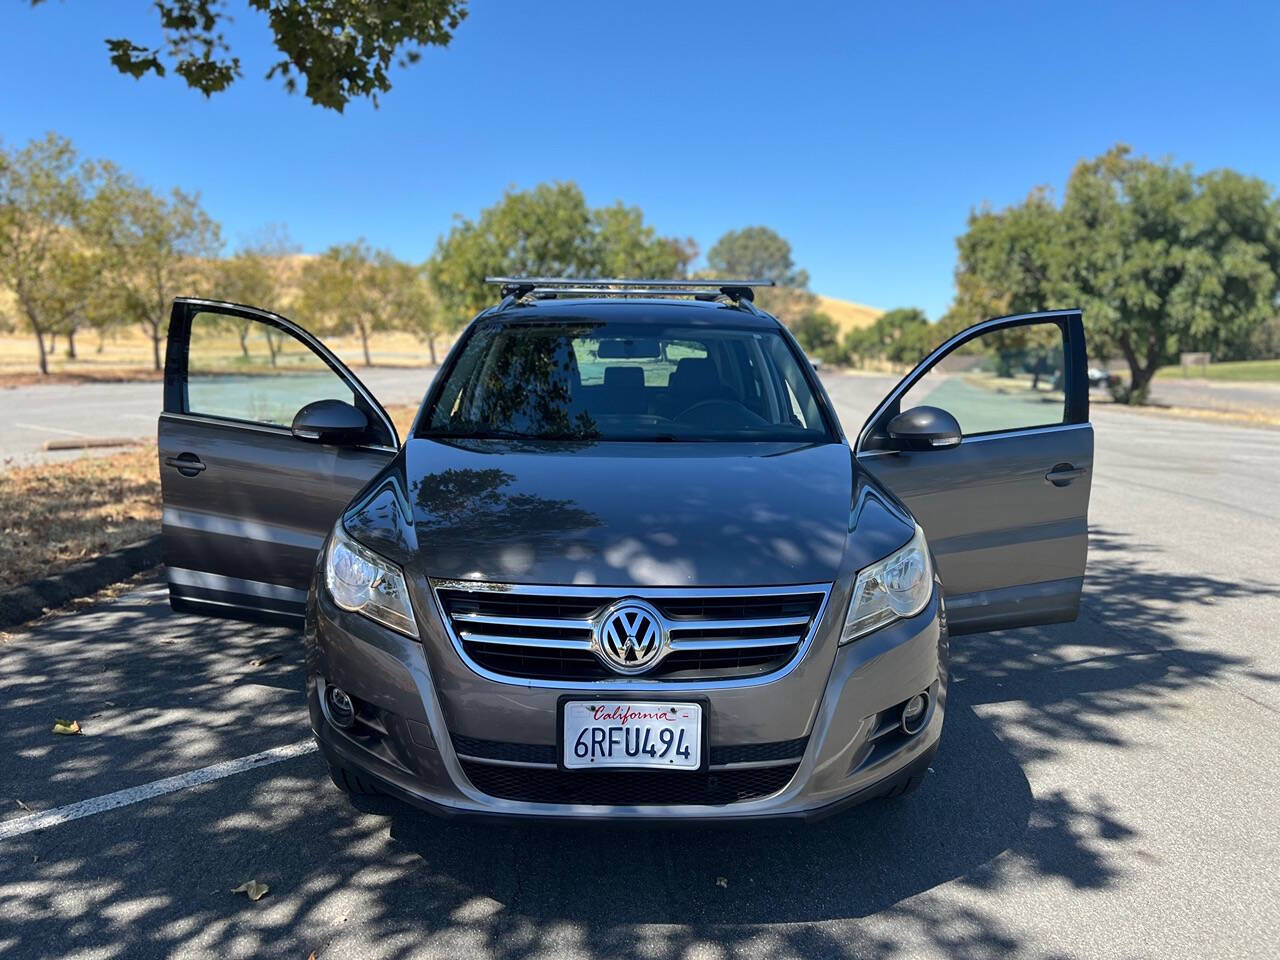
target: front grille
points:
(630, 788)
(546, 633)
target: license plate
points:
(628, 733)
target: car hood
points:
(617, 514)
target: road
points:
(1223, 395)
(1106, 788)
(31, 416)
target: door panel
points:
(246, 504)
(1005, 511)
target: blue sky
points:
(864, 134)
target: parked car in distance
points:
(627, 564)
(1102, 378)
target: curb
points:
(20, 604)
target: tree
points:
(340, 48)
(818, 335)
(1159, 257)
(1164, 259)
(254, 275)
(158, 247)
(46, 260)
(759, 253)
(547, 231)
(902, 336)
(346, 290)
(412, 301)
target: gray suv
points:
(627, 564)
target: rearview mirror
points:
(330, 421)
(639, 348)
(924, 428)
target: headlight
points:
(897, 586)
(363, 582)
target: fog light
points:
(913, 713)
(341, 710)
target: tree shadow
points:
(388, 881)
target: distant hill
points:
(847, 314)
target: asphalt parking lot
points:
(1107, 788)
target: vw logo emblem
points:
(630, 637)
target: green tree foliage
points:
(759, 253)
(352, 288)
(413, 304)
(1161, 259)
(253, 275)
(818, 334)
(339, 48)
(547, 231)
(755, 253)
(49, 258)
(159, 247)
(1166, 260)
(901, 336)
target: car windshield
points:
(577, 380)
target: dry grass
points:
(848, 315)
(59, 514)
(126, 355)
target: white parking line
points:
(158, 788)
(36, 426)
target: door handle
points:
(187, 464)
(1063, 473)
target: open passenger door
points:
(1003, 500)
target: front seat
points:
(624, 390)
(694, 380)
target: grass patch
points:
(1236, 370)
(59, 514)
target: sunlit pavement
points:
(1105, 789)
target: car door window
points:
(249, 370)
(1006, 379)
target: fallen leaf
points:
(722, 882)
(252, 889)
(263, 661)
(66, 727)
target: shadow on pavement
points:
(386, 881)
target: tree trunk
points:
(44, 360)
(271, 346)
(102, 339)
(431, 346)
(364, 342)
(71, 344)
(244, 337)
(153, 331)
(53, 343)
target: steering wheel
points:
(743, 414)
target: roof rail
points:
(523, 288)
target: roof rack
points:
(516, 289)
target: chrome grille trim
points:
(798, 642)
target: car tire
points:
(351, 783)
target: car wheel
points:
(351, 783)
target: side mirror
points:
(330, 421)
(924, 428)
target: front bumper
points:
(850, 750)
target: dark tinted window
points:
(606, 381)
